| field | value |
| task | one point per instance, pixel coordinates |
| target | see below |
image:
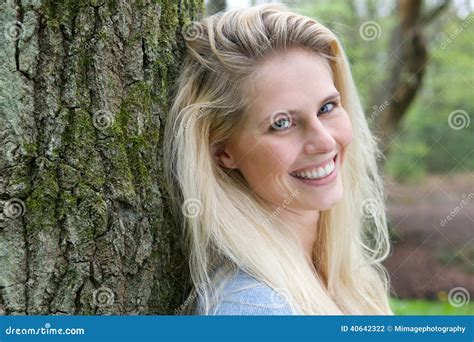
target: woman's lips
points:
(322, 181)
(315, 165)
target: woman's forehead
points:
(283, 82)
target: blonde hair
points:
(226, 225)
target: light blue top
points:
(245, 295)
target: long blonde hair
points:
(225, 225)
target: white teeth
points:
(321, 172)
(318, 173)
(328, 169)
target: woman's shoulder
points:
(246, 295)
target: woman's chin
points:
(322, 202)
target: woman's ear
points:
(223, 157)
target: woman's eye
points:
(280, 124)
(327, 108)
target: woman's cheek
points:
(344, 129)
(280, 153)
(345, 135)
(348, 133)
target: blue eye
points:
(326, 108)
(281, 124)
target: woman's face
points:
(294, 131)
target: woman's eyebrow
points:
(328, 98)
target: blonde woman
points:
(272, 172)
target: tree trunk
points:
(407, 64)
(85, 87)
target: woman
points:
(272, 172)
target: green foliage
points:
(460, 260)
(447, 89)
(406, 162)
(428, 307)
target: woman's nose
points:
(318, 139)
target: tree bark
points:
(84, 89)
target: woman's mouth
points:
(318, 176)
(321, 172)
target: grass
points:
(429, 307)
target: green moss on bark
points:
(93, 196)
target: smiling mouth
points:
(317, 173)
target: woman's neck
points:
(304, 225)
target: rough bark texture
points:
(84, 89)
